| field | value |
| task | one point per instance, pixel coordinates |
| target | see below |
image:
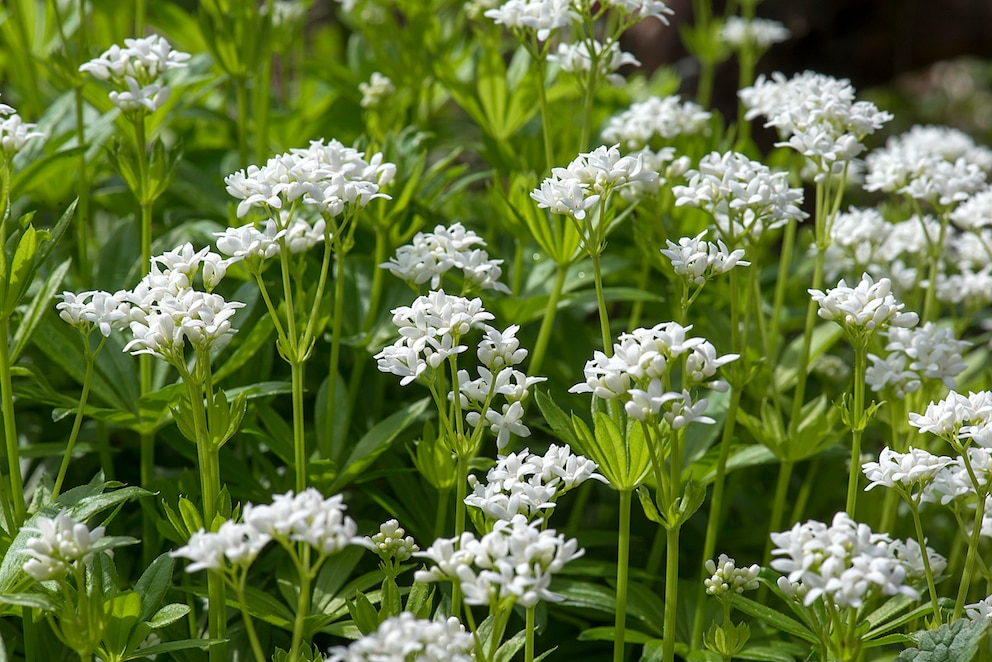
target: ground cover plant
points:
(434, 330)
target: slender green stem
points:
(976, 531)
(302, 604)
(671, 592)
(604, 318)
(936, 250)
(860, 360)
(715, 520)
(299, 434)
(441, 516)
(382, 247)
(332, 371)
(623, 560)
(778, 300)
(78, 420)
(10, 428)
(915, 509)
(256, 646)
(799, 509)
(890, 505)
(542, 97)
(83, 189)
(461, 488)
(548, 322)
(529, 641)
(804, 358)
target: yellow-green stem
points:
(529, 641)
(542, 96)
(548, 322)
(778, 300)
(604, 319)
(78, 420)
(83, 189)
(461, 487)
(915, 509)
(671, 592)
(623, 560)
(860, 360)
(241, 99)
(299, 434)
(332, 373)
(302, 605)
(256, 646)
(976, 531)
(10, 428)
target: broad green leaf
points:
(420, 599)
(153, 584)
(363, 614)
(30, 600)
(125, 613)
(20, 269)
(375, 442)
(776, 619)
(951, 642)
(168, 615)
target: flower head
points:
(59, 543)
(406, 637)
(864, 309)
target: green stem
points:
(542, 96)
(548, 322)
(441, 516)
(671, 592)
(256, 647)
(332, 373)
(83, 188)
(10, 428)
(604, 319)
(778, 301)
(936, 248)
(529, 642)
(461, 488)
(623, 560)
(976, 531)
(78, 420)
(302, 605)
(811, 308)
(713, 523)
(890, 506)
(860, 359)
(299, 434)
(914, 508)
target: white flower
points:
(541, 16)
(238, 544)
(697, 261)
(745, 198)
(15, 133)
(761, 32)
(642, 8)
(59, 543)
(843, 562)
(980, 610)
(392, 542)
(946, 417)
(136, 72)
(513, 564)
(578, 58)
(247, 241)
(376, 91)
(656, 118)
(564, 196)
(305, 517)
(974, 213)
(726, 577)
(406, 637)
(908, 469)
(95, 309)
(863, 309)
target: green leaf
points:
(125, 613)
(363, 614)
(420, 599)
(557, 419)
(951, 642)
(168, 615)
(375, 442)
(191, 515)
(169, 646)
(20, 270)
(650, 509)
(153, 584)
(610, 634)
(248, 346)
(39, 305)
(510, 647)
(30, 600)
(776, 619)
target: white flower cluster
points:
(745, 198)
(136, 72)
(432, 254)
(980, 610)
(958, 416)
(95, 309)
(306, 517)
(664, 162)
(975, 213)
(697, 261)
(844, 563)
(952, 484)
(642, 361)
(935, 164)
(761, 32)
(914, 468)
(914, 354)
(588, 178)
(59, 544)
(15, 132)
(641, 8)
(329, 176)
(376, 91)
(655, 118)
(498, 352)
(405, 637)
(430, 332)
(540, 16)
(816, 115)
(528, 484)
(513, 564)
(165, 311)
(867, 308)
(391, 542)
(726, 577)
(579, 58)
